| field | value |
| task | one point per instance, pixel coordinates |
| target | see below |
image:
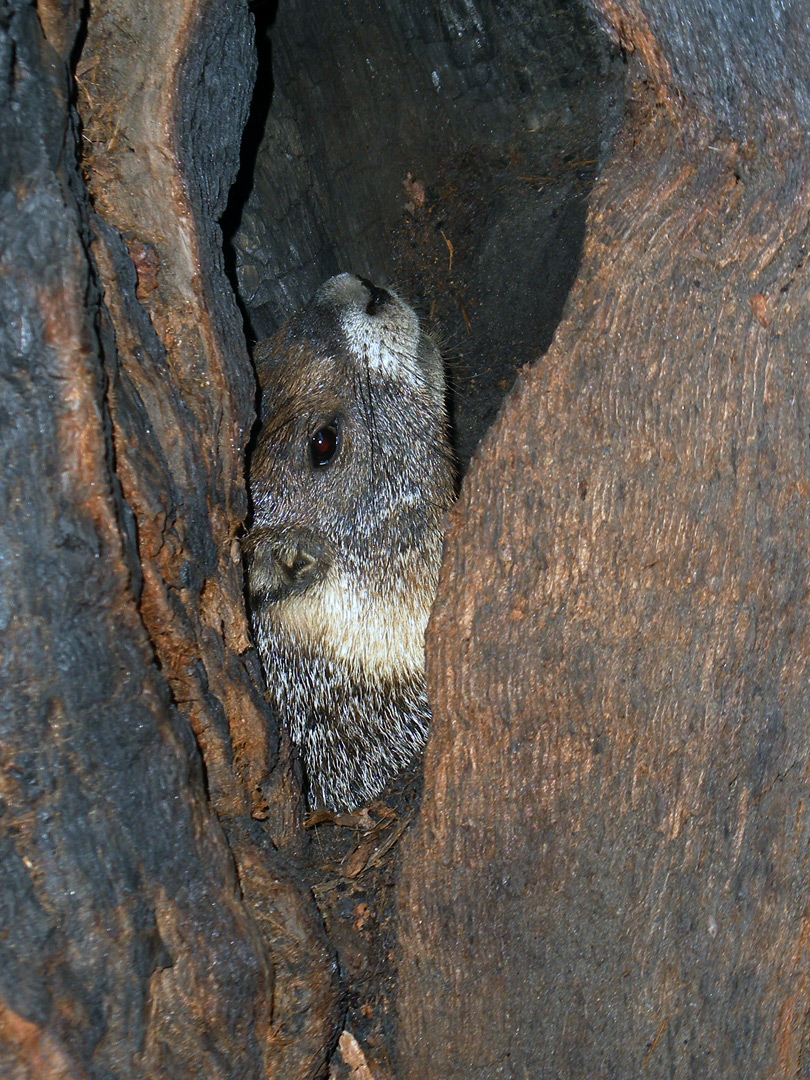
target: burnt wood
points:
(608, 873)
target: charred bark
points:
(149, 927)
(608, 875)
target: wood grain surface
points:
(610, 874)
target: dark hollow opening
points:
(445, 147)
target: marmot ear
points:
(283, 563)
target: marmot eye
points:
(323, 445)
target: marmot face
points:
(350, 481)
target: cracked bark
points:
(150, 927)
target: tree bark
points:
(609, 874)
(609, 877)
(149, 927)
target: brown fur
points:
(344, 557)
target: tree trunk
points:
(149, 927)
(609, 877)
(608, 874)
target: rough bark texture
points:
(148, 927)
(449, 147)
(609, 878)
(609, 874)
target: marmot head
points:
(350, 481)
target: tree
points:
(149, 926)
(608, 873)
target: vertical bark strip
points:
(160, 166)
(112, 863)
(143, 910)
(610, 875)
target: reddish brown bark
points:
(609, 877)
(610, 873)
(149, 927)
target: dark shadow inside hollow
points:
(446, 147)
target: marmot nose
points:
(285, 564)
(379, 297)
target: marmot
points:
(350, 481)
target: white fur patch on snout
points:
(383, 636)
(387, 340)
